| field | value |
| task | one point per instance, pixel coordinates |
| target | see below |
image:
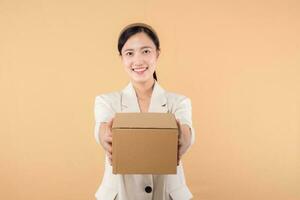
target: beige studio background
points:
(239, 62)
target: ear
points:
(158, 53)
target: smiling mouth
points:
(139, 70)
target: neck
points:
(144, 90)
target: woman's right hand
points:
(105, 133)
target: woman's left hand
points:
(184, 139)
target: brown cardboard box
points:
(144, 143)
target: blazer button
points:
(148, 189)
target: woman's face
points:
(139, 56)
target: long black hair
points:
(131, 30)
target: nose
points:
(138, 61)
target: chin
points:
(140, 79)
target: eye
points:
(129, 53)
(147, 51)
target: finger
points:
(108, 131)
(108, 139)
(108, 147)
(178, 144)
(182, 151)
(179, 127)
(109, 158)
(110, 123)
(180, 138)
(178, 122)
(178, 158)
(179, 154)
(179, 147)
(109, 155)
(180, 141)
(178, 150)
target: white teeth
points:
(140, 69)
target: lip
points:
(139, 70)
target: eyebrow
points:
(143, 47)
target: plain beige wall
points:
(239, 63)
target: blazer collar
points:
(158, 101)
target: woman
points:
(139, 49)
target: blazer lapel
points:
(158, 101)
(129, 101)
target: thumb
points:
(179, 126)
(178, 122)
(110, 122)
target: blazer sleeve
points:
(183, 112)
(102, 113)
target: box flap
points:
(145, 120)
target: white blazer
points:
(132, 187)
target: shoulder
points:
(175, 97)
(108, 97)
(177, 101)
(109, 100)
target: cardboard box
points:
(144, 143)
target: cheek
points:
(126, 63)
(152, 61)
